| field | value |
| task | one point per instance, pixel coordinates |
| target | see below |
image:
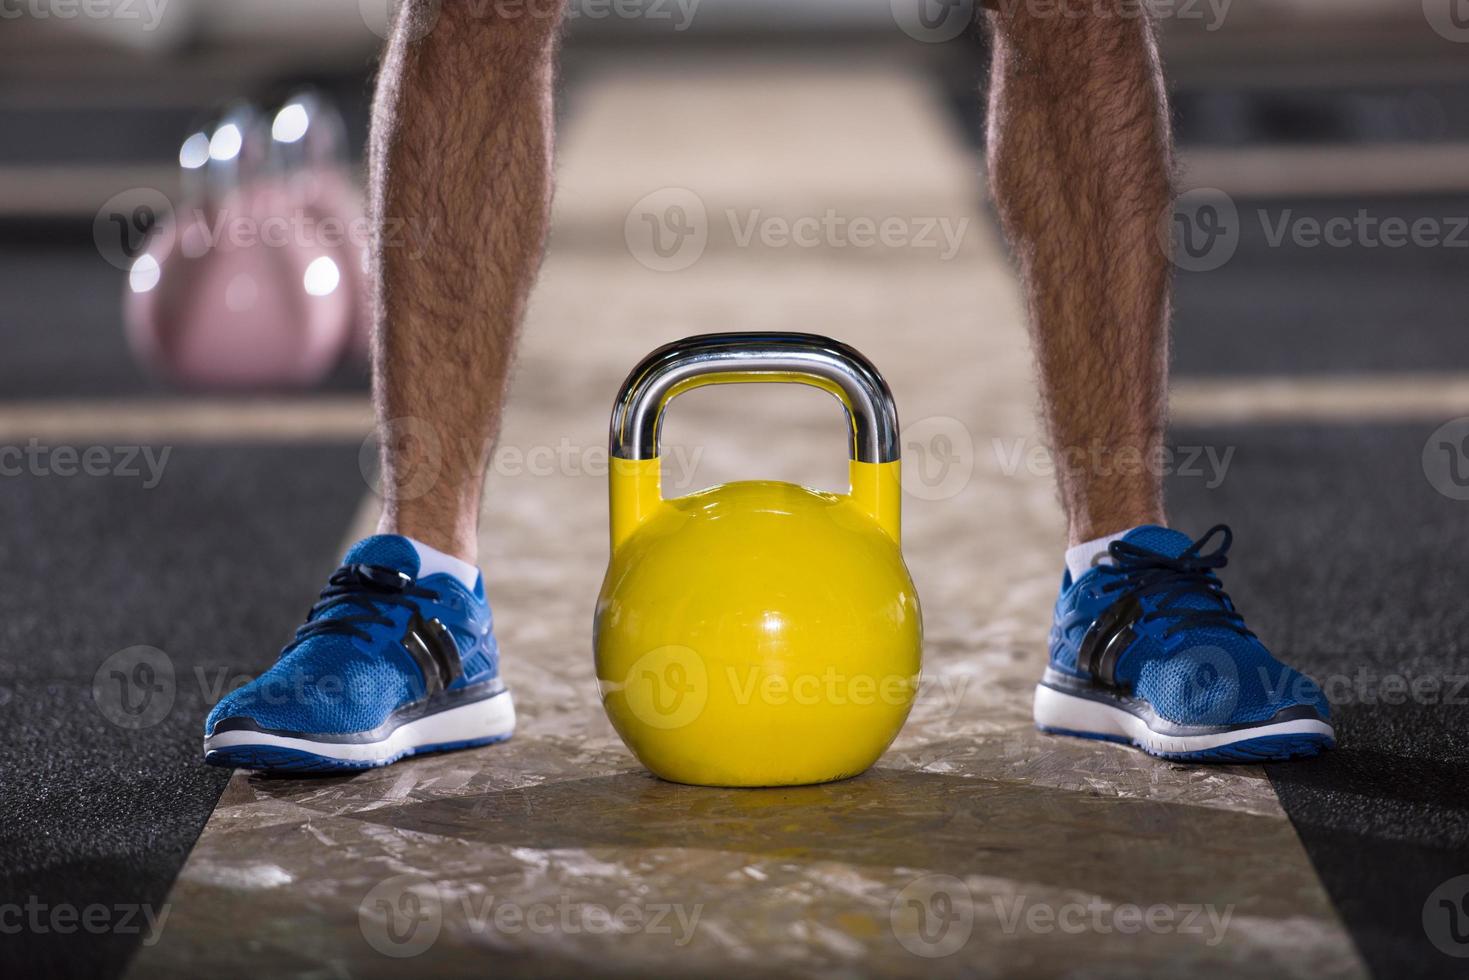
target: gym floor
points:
(1308, 384)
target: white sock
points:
(432, 561)
(1081, 558)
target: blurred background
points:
(1285, 100)
(1321, 339)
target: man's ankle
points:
(460, 545)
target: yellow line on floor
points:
(1317, 171)
(1332, 398)
(215, 420)
(1361, 398)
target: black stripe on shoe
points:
(432, 647)
(1107, 638)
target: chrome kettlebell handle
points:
(721, 358)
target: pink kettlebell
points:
(309, 155)
(230, 295)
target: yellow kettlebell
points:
(757, 633)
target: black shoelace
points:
(364, 587)
(1140, 572)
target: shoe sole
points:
(1066, 714)
(483, 722)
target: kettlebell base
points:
(759, 784)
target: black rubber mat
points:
(1352, 566)
(102, 791)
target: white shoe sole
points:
(477, 723)
(1068, 714)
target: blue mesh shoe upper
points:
(348, 668)
(1190, 655)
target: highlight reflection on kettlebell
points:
(757, 633)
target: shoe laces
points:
(367, 589)
(1189, 595)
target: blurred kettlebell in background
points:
(308, 156)
(233, 295)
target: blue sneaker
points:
(387, 665)
(1149, 650)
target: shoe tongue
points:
(1164, 540)
(388, 550)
